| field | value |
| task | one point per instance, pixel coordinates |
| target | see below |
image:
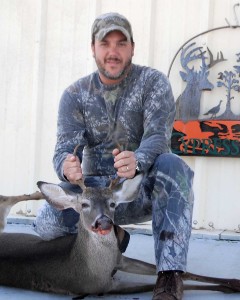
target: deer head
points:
(192, 76)
(96, 205)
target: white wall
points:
(45, 46)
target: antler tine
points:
(188, 56)
(75, 149)
(114, 182)
(119, 146)
(213, 61)
(80, 182)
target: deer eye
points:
(85, 205)
(113, 205)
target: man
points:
(133, 106)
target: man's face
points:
(113, 56)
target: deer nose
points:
(103, 225)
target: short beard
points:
(118, 76)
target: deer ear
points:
(57, 196)
(129, 190)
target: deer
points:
(188, 103)
(87, 262)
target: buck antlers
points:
(187, 57)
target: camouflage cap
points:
(109, 22)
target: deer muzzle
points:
(103, 225)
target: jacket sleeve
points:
(159, 113)
(70, 130)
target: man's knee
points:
(167, 161)
(171, 164)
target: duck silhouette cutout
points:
(213, 111)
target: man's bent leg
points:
(172, 217)
(172, 200)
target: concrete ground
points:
(209, 254)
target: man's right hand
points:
(72, 169)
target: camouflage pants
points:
(165, 196)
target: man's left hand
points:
(125, 163)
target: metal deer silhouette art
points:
(188, 103)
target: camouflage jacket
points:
(138, 114)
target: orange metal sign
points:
(206, 138)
